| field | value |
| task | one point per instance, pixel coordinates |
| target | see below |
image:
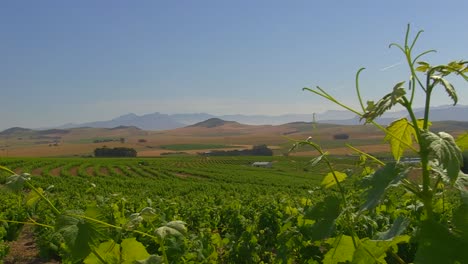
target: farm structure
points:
(262, 164)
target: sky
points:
(80, 61)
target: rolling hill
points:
(213, 131)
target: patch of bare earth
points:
(18, 170)
(103, 171)
(37, 172)
(56, 171)
(74, 171)
(24, 250)
(186, 175)
(90, 171)
(118, 171)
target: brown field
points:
(80, 141)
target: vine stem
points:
(56, 211)
(111, 225)
(26, 223)
(325, 95)
(366, 154)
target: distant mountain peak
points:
(213, 122)
(14, 130)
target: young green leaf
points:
(342, 250)
(329, 180)
(153, 259)
(375, 251)
(132, 250)
(316, 160)
(324, 215)
(403, 132)
(379, 182)
(448, 87)
(399, 226)
(79, 235)
(437, 244)
(173, 228)
(108, 251)
(462, 141)
(388, 101)
(423, 66)
(462, 185)
(16, 182)
(33, 197)
(443, 147)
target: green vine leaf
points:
(133, 250)
(379, 182)
(443, 147)
(128, 252)
(399, 226)
(437, 244)
(324, 215)
(423, 66)
(16, 182)
(32, 198)
(329, 180)
(462, 185)
(375, 110)
(403, 133)
(462, 141)
(109, 251)
(79, 235)
(153, 259)
(378, 248)
(448, 87)
(316, 160)
(342, 250)
(173, 228)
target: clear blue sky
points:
(77, 61)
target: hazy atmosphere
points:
(79, 61)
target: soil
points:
(24, 250)
(90, 171)
(55, 171)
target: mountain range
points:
(159, 121)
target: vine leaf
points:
(16, 182)
(444, 148)
(128, 252)
(133, 250)
(324, 215)
(80, 236)
(423, 66)
(108, 251)
(462, 141)
(153, 259)
(342, 250)
(378, 248)
(32, 198)
(448, 87)
(316, 160)
(437, 244)
(330, 181)
(398, 227)
(401, 132)
(173, 228)
(462, 185)
(375, 110)
(379, 182)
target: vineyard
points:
(224, 202)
